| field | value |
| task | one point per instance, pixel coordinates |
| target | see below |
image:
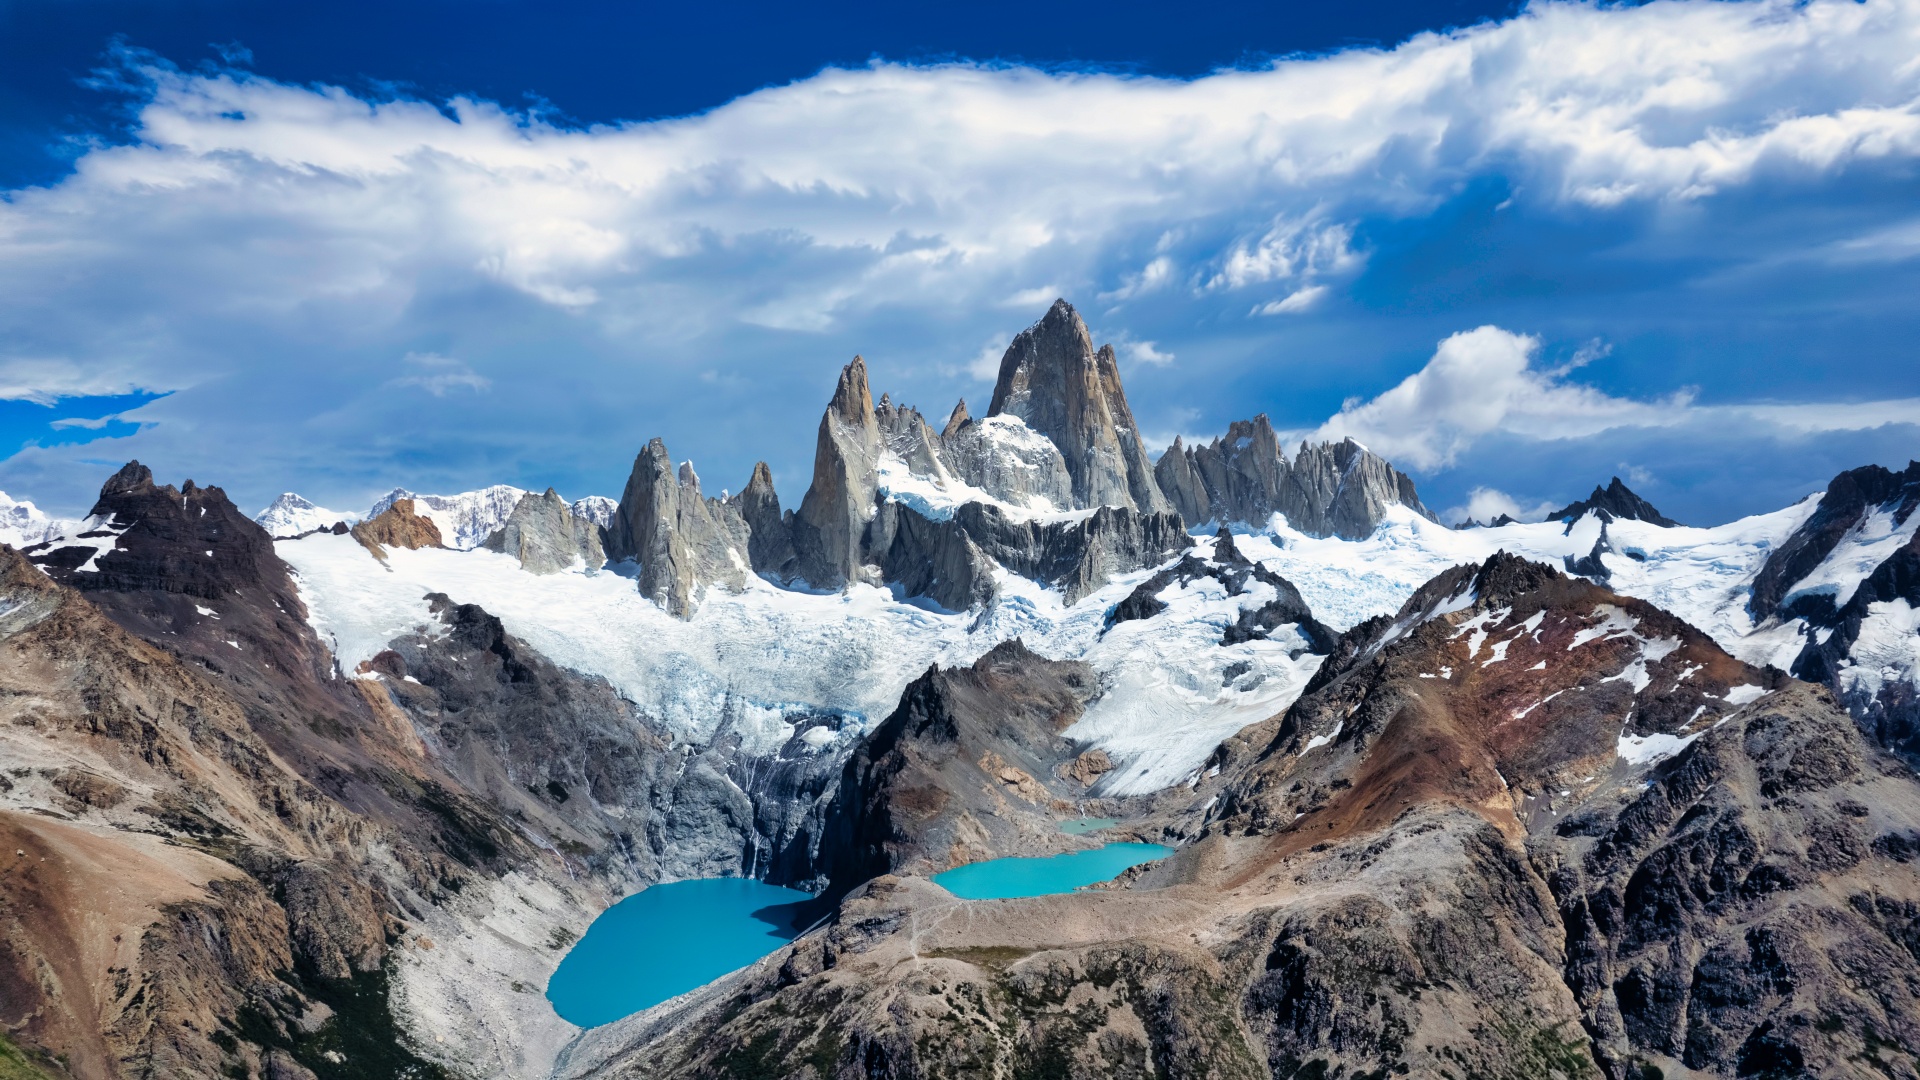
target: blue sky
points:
(443, 245)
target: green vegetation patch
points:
(990, 957)
(19, 1064)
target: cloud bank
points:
(304, 266)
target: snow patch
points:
(1648, 749)
(1319, 741)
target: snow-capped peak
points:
(293, 515)
(22, 524)
(596, 508)
(464, 520)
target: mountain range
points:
(324, 794)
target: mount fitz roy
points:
(328, 795)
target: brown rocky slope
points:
(1461, 854)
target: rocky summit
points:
(330, 796)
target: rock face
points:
(1060, 387)
(830, 525)
(397, 527)
(1615, 501)
(1331, 489)
(141, 537)
(894, 503)
(1860, 632)
(1260, 614)
(1519, 829)
(971, 766)
(681, 539)
(240, 862)
(769, 532)
(832, 519)
(1010, 461)
(547, 537)
(178, 875)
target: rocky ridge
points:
(1329, 489)
(547, 536)
(1849, 577)
(1055, 382)
(1445, 860)
(464, 520)
(1615, 501)
(300, 859)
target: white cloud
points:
(45, 382)
(1483, 381)
(1485, 504)
(1153, 277)
(261, 241)
(1830, 416)
(1581, 105)
(1480, 382)
(441, 375)
(1136, 351)
(1290, 249)
(1293, 303)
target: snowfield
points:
(746, 660)
(747, 663)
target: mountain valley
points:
(329, 795)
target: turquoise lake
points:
(1004, 879)
(671, 938)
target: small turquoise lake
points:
(1085, 825)
(668, 939)
(1005, 879)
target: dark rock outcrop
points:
(1884, 702)
(1849, 499)
(1591, 565)
(145, 538)
(1239, 576)
(1615, 501)
(970, 766)
(1052, 379)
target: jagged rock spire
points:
(1330, 489)
(830, 525)
(769, 538)
(1052, 379)
(547, 537)
(680, 539)
(1616, 500)
(956, 420)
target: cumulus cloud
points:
(251, 218)
(1484, 381)
(1486, 505)
(992, 165)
